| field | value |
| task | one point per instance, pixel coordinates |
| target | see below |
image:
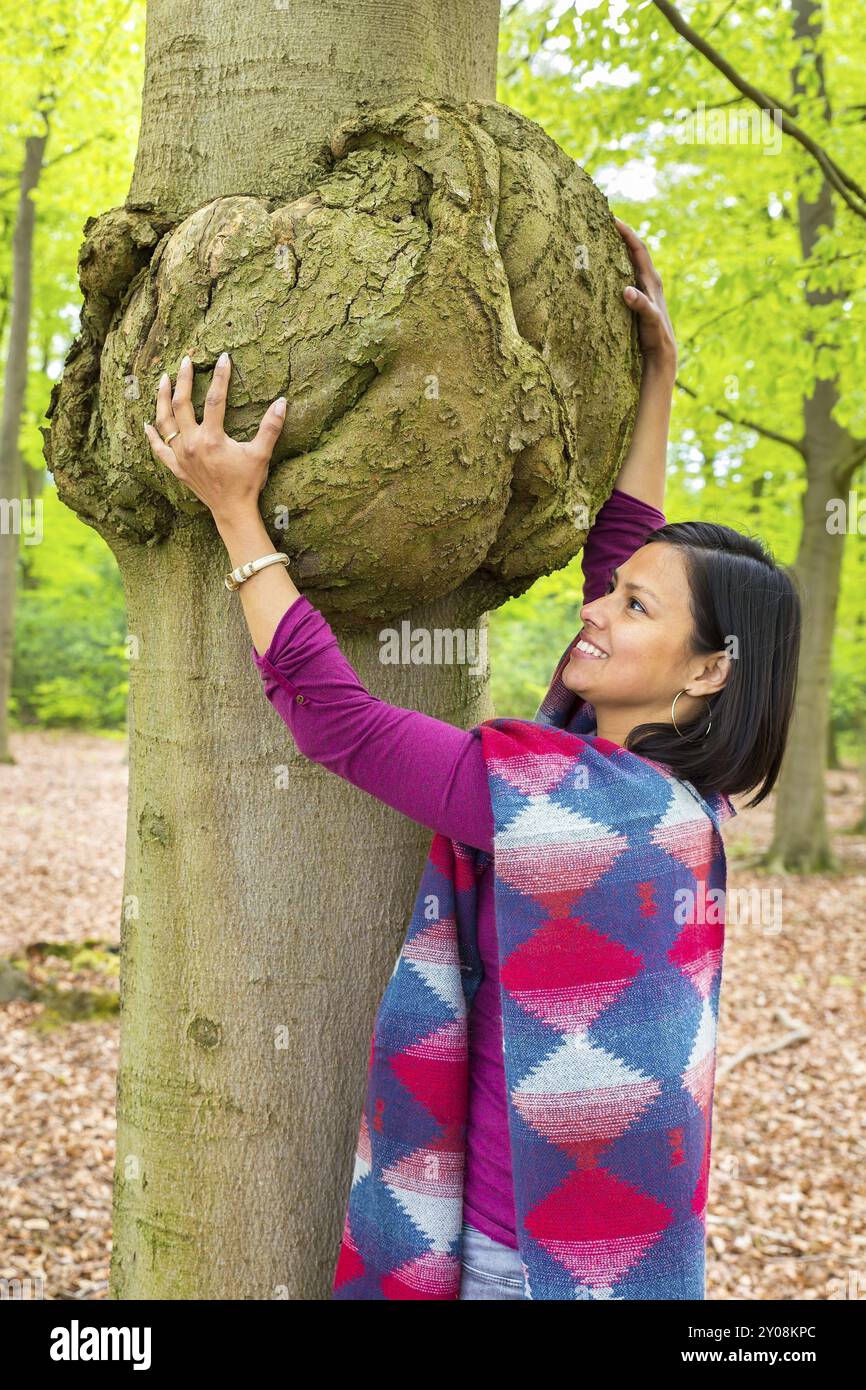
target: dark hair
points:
(736, 589)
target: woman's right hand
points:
(646, 298)
(226, 474)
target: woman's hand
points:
(655, 331)
(223, 473)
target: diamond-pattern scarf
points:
(609, 878)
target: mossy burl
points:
(443, 312)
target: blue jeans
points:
(489, 1269)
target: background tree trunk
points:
(800, 838)
(14, 393)
(461, 388)
(833, 763)
(860, 827)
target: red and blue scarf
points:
(609, 880)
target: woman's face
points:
(642, 624)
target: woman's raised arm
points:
(642, 474)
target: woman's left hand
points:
(223, 473)
(646, 297)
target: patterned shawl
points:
(609, 878)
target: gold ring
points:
(171, 437)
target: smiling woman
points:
(704, 611)
(642, 628)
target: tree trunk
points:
(270, 83)
(801, 841)
(14, 395)
(833, 763)
(436, 288)
(860, 827)
(270, 903)
(800, 838)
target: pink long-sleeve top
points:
(433, 772)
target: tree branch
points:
(796, 444)
(798, 1032)
(850, 465)
(835, 176)
(805, 265)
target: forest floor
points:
(787, 1206)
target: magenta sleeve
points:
(431, 771)
(620, 527)
(427, 769)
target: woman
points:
(591, 1184)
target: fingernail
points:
(163, 378)
(280, 406)
(630, 293)
(145, 427)
(222, 359)
(184, 361)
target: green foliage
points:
(848, 693)
(75, 71)
(70, 659)
(527, 637)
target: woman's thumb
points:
(636, 299)
(272, 423)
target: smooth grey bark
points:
(271, 81)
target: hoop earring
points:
(673, 717)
